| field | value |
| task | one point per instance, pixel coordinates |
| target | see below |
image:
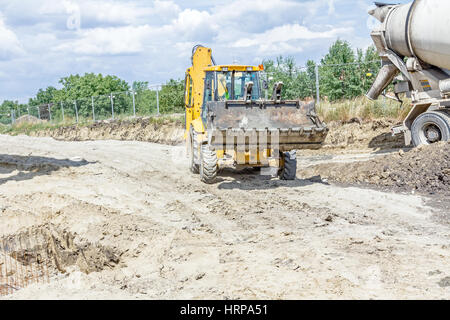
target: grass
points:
(363, 109)
(27, 127)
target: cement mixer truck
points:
(414, 44)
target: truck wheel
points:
(289, 171)
(194, 153)
(431, 127)
(208, 166)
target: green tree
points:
(44, 97)
(345, 73)
(172, 97)
(298, 83)
(145, 98)
(5, 111)
(82, 88)
(336, 73)
(8, 107)
(78, 87)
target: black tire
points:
(289, 171)
(208, 166)
(431, 127)
(194, 157)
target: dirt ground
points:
(424, 170)
(138, 224)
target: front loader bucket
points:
(289, 125)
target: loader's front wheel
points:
(194, 158)
(208, 166)
(289, 170)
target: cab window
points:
(240, 80)
(224, 86)
(231, 85)
(209, 86)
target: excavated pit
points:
(40, 254)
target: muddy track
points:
(245, 237)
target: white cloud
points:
(283, 38)
(10, 45)
(39, 48)
(189, 24)
(108, 41)
(290, 32)
(129, 12)
(331, 7)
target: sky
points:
(42, 41)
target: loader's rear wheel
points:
(194, 158)
(289, 170)
(431, 127)
(208, 166)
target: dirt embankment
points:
(168, 132)
(425, 170)
(354, 135)
(363, 135)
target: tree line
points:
(79, 92)
(343, 73)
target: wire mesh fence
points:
(43, 253)
(25, 259)
(324, 83)
(116, 105)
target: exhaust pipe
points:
(387, 74)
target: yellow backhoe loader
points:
(229, 124)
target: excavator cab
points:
(231, 84)
(229, 124)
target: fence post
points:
(76, 110)
(157, 99)
(62, 111)
(112, 105)
(317, 85)
(39, 112)
(13, 120)
(28, 110)
(93, 109)
(134, 103)
(49, 111)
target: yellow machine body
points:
(202, 63)
(229, 124)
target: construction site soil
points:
(424, 170)
(165, 131)
(366, 218)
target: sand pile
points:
(27, 119)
